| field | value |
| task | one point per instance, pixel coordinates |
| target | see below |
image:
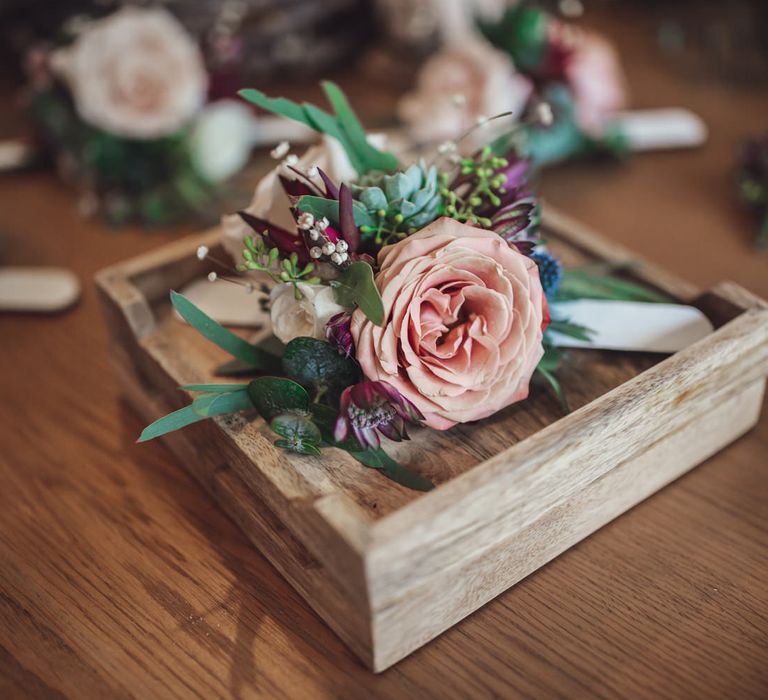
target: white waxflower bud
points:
(335, 258)
(329, 248)
(344, 256)
(280, 150)
(323, 224)
(202, 252)
(315, 252)
(342, 246)
(291, 160)
(313, 234)
(212, 277)
(306, 221)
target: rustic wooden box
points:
(389, 569)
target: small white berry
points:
(212, 277)
(544, 114)
(329, 248)
(458, 99)
(481, 119)
(446, 147)
(314, 171)
(313, 234)
(342, 246)
(315, 252)
(291, 160)
(202, 252)
(306, 221)
(280, 150)
(344, 257)
(335, 258)
(323, 224)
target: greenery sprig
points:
(259, 257)
(485, 186)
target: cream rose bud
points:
(464, 316)
(136, 73)
(221, 140)
(305, 317)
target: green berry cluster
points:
(258, 256)
(484, 188)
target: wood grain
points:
(120, 577)
(385, 552)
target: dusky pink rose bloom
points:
(464, 315)
(594, 73)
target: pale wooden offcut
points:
(389, 568)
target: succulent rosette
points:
(404, 296)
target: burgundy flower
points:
(337, 333)
(370, 408)
(517, 222)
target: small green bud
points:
(399, 218)
(381, 213)
(284, 276)
(475, 201)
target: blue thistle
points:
(550, 271)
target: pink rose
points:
(594, 73)
(463, 324)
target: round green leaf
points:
(275, 395)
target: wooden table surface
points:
(119, 577)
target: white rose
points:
(136, 73)
(270, 201)
(221, 140)
(293, 318)
(457, 85)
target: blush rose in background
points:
(464, 320)
(124, 108)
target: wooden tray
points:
(389, 569)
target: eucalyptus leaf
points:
(594, 283)
(225, 339)
(275, 395)
(214, 388)
(355, 287)
(167, 424)
(303, 448)
(210, 405)
(290, 425)
(318, 365)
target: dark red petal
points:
(331, 191)
(349, 230)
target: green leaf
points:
(551, 358)
(376, 458)
(573, 330)
(372, 157)
(277, 105)
(295, 425)
(355, 287)
(317, 365)
(202, 407)
(210, 405)
(553, 382)
(303, 448)
(321, 207)
(214, 388)
(344, 126)
(225, 339)
(275, 395)
(594, 283)
(167, 424)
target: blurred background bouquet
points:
(137, 106)
(515, 61)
